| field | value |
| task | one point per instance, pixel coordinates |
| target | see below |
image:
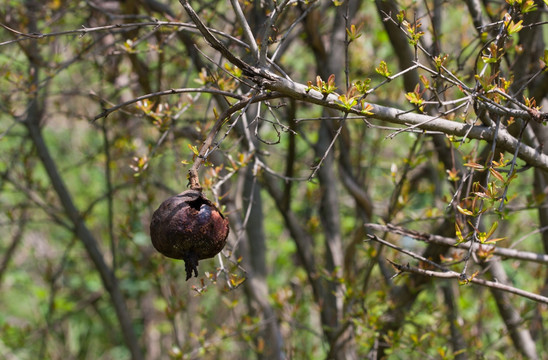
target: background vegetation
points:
(382, 165)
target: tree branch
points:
(193, 180)
(270, 81)
(108, 111)
(441, 240)
(455, 275)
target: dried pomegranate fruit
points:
(189, 227)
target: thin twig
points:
(442, 240)
(406, 252)
(193, 180)
(85, 30)
(455, 275)
(106, 112)
(246, 29)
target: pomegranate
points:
(188, 226)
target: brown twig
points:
(212, 40)
(108, 111)
(406, 252)
(193, 180)
(455, 275)
(85, 30)
(441, 240)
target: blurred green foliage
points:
(52, 301)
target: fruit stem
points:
(193, 180)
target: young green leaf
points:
(464, 211)
(382, 69)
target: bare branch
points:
(129, 26)
(289, 88)
(455, 275)
(106, 112)
(194, 182)
(246, 29)
(441, 240)
(212, 40)
(406, 252)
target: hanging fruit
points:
(188, 226)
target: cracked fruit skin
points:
(189, 227)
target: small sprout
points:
(382, 69)
(413, 32)
(331, 83)
(506, 83)
(453, 175)
(353, 32)
(514, 28)
(531, 103)
(400, 16)
(486, 81)
(494, 54)
(492, 229)
(440, 61)
(501, 163)
(233, 69)
(458, 234)
(193, 148)
(529, 5)
(362, 87)
(366, 108)
(496, 174)
(415, 97)
(485, 252)
(425, 81)
(348, 102)
(464, 211)
(465, 280)
(350, 99)
(492, 241)
(236, 281)
(203, 78)
(325, 88)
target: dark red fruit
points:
(189, 227)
